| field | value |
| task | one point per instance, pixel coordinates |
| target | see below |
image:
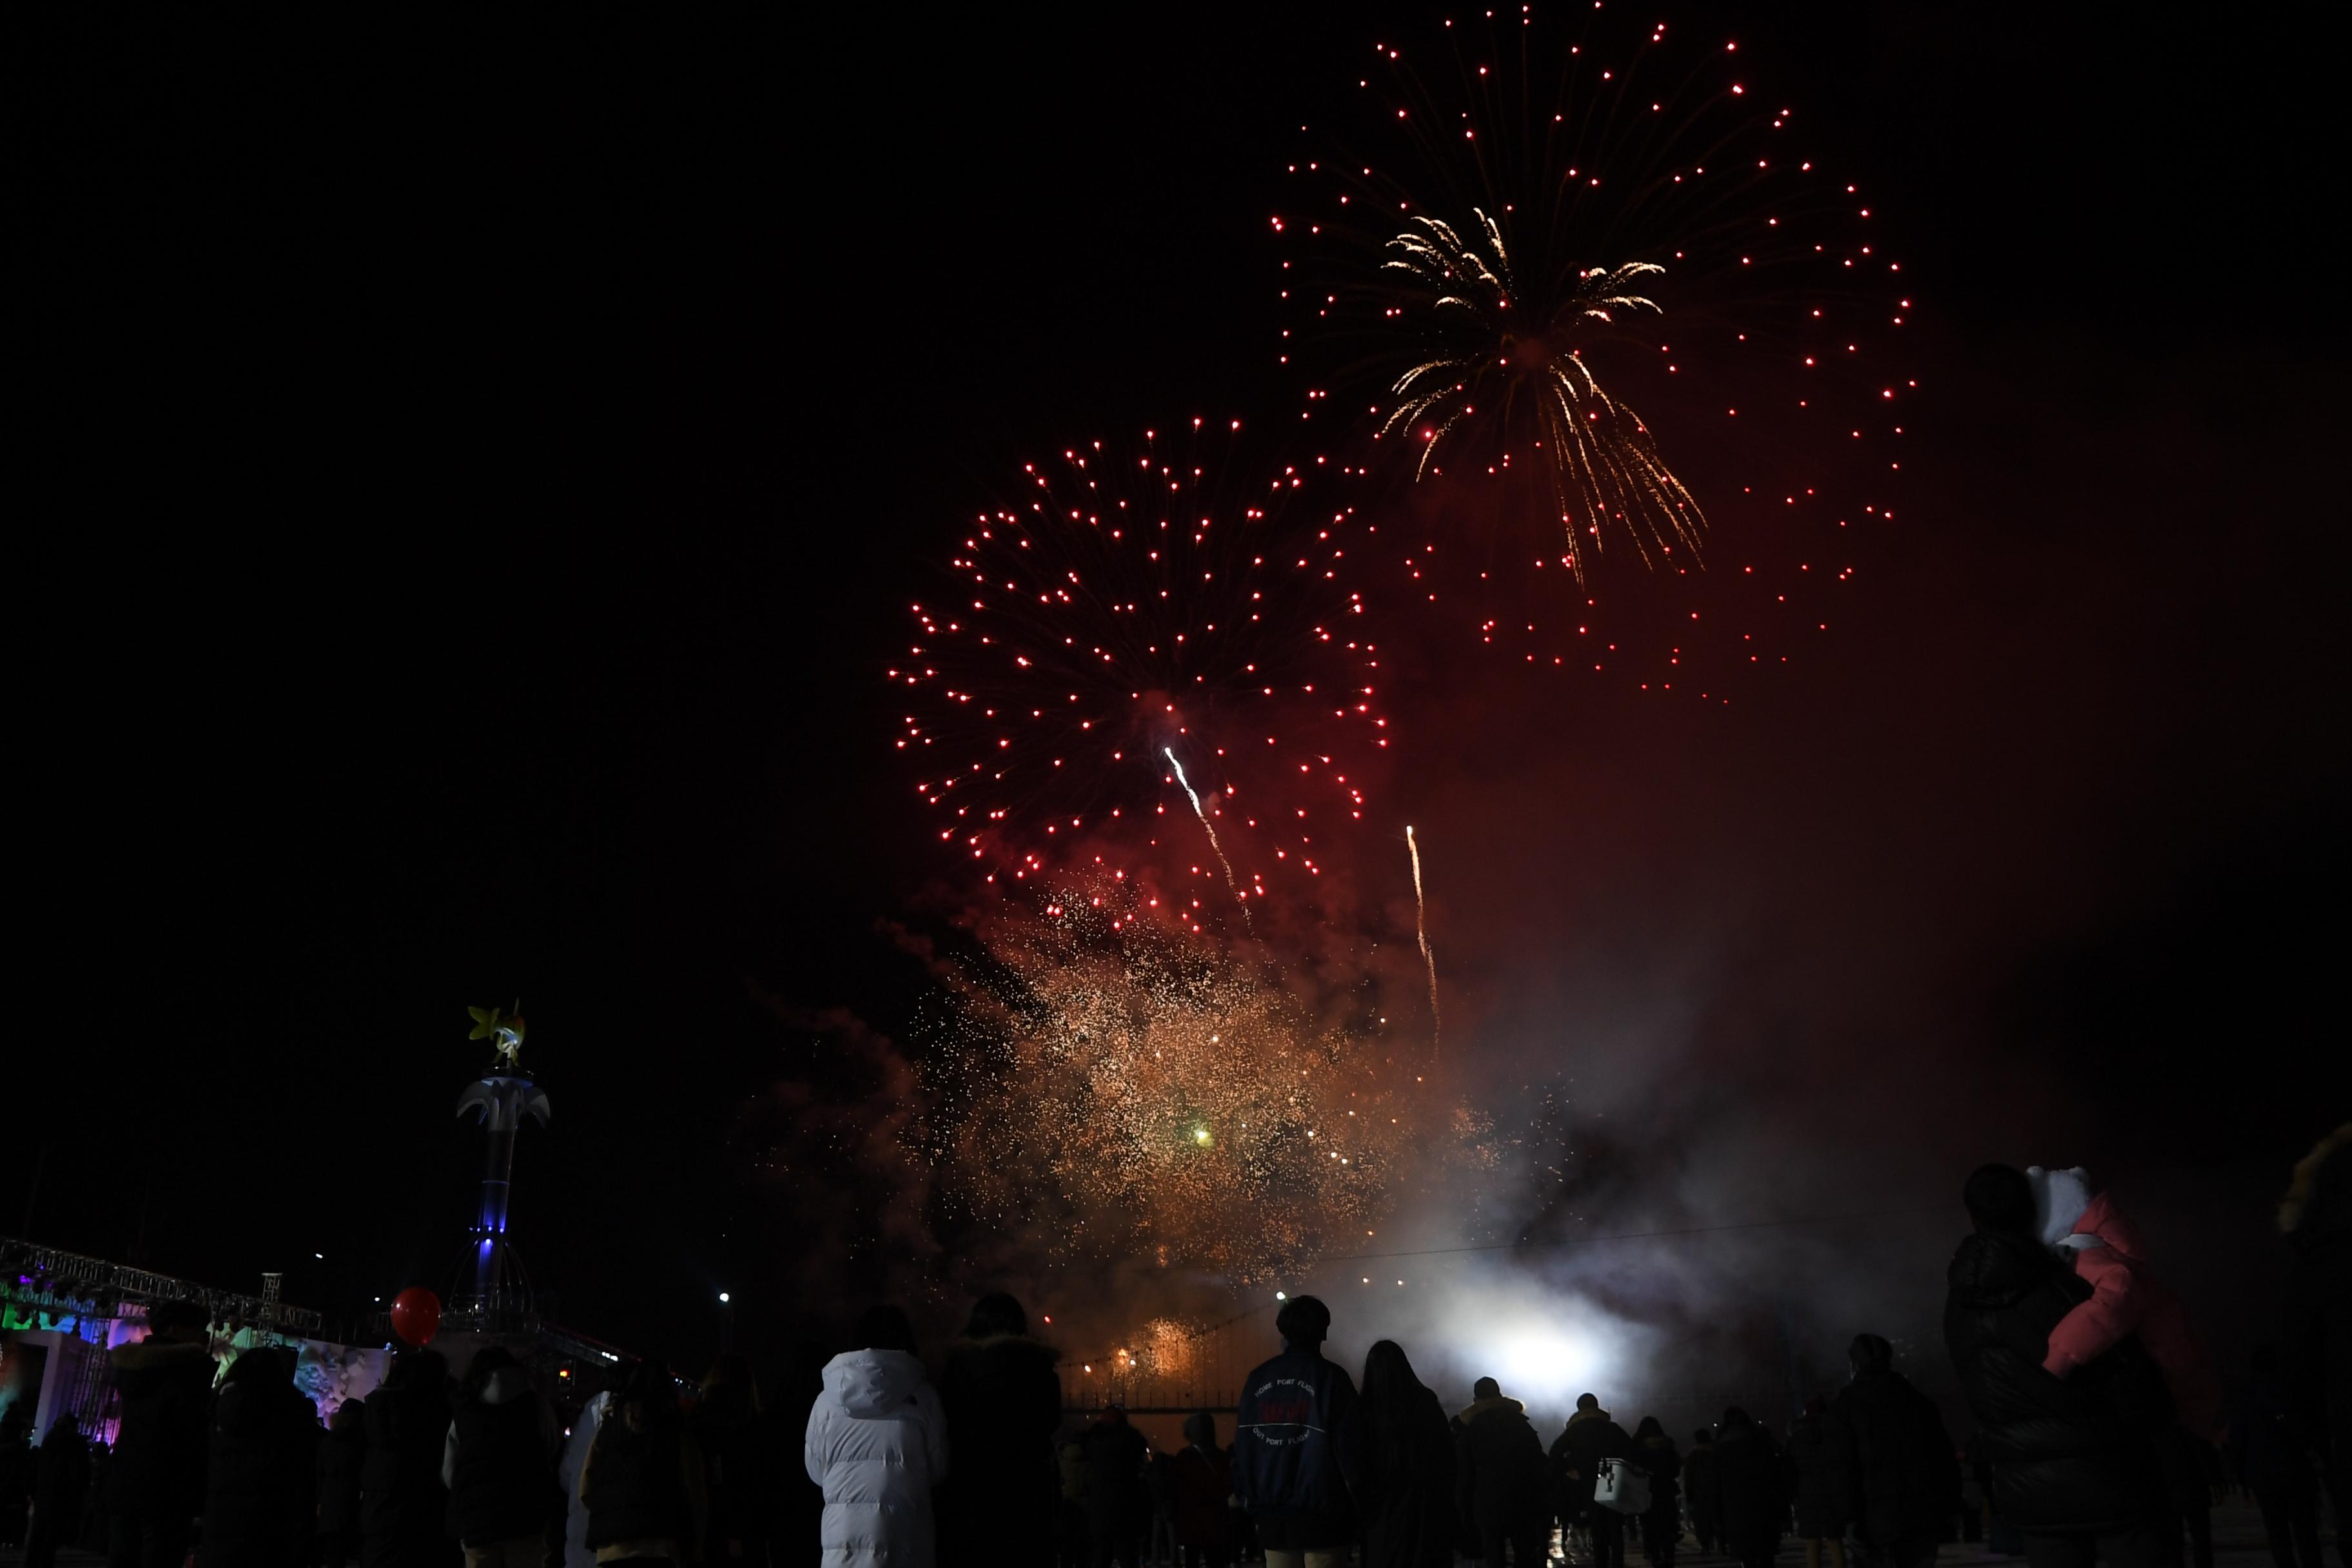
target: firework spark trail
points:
(1169, 753)
(1420, 929)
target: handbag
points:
(1620, 1488)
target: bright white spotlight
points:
(1544, 1366)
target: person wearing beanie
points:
(2074, 1459)
(1294, 1411)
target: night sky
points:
(474, 471)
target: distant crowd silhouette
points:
(2101, 1432)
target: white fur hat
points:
(2059, 1199)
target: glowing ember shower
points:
(1169, 753)
(1420, 930)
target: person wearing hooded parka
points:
(1501, 1486)
(877, 1444)
(2074, 1459)
(1591, 1436)
(1662, 1526)
(1003, 1401)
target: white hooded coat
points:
(878, 1443)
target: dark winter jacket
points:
(1662, 1463)
(1501, 1484)
(1751, 1502)
(2071, 1454)
(158, 1470)
(1818, 1480)
(739, 1468)
(1897, 1468)
(1199, 1483)
(1698, 1485)
(1003, 1401)
(1294, 1413)
(60, 1483)
(260, 1506)
(1589, 1438)
(341, 1453)
(643, 1482)
(499, 1462)
(402, 1504)
(1117, 1500)
(2316, 1314)
(2271, 1443)
(1400, 1465)
(16, 1463)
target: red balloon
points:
(415, 1314)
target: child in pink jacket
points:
(2126, 1297)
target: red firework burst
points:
(1128, 614)
(1585, 286)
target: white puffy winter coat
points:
(878, 1443)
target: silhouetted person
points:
(2274, 1451)
(404, 1507)
(341, 1454)
(1501, 1483)
(1294, 1414)
(642, 1480)
(577, 1553)
(60, 1482)
(1818, 1483)
(261, 1500)
(2315, 1218)
(1070, 1550)
(798, 1536)
(1199, 1482)
(1662, 1526)
(1003, 1401)
(1900, 1473)
(160, 1445)
(1590, 1437)
(2073, 1460)
(878, 1443)
(1698, 1485)
(738, 1469)
(1750, 1490)
(497, 1459)
(16, 1473)
(1398, 1456)
(1118, 1506)
(2091, 1232)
